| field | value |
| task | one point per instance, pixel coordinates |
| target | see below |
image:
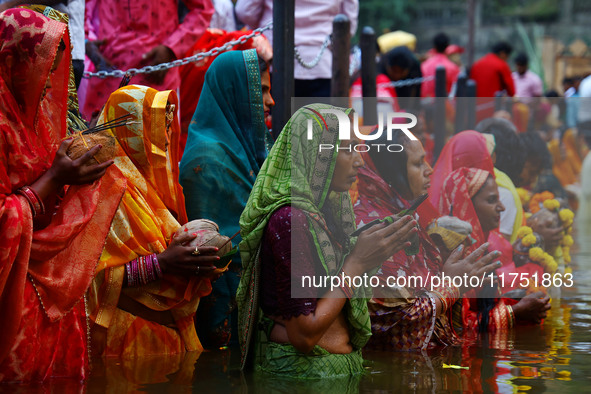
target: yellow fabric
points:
(503, 180)
(396, 39)
(566, 163)
(151, 210)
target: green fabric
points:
(297, 173)
(226, 144)
(285, 360)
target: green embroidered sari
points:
(297, 174)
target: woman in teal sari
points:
(298, 222)
(226, 146)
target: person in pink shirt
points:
(527, 83)
(125, 34)
(439, 58)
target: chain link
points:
(406, 82)
(179, 62)
(316, 60)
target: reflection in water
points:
(549, 358)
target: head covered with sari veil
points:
(227, 141)
(466, 149)
(456, 199)
(297, 173)
(150, 211)
(381, 181)
(32, 126)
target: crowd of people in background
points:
(122, 202)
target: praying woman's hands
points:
(532, 308)
(378, 243)
(475, 264)
(180, 259)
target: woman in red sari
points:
(409, 317)
(48, 248)
(472, 195)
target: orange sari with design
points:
(45, 272)
(157, 318)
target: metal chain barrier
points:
(179, 62)
(407, 82)
(316, 60)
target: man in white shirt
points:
(313, 23)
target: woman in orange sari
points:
(148, 285)
(48, 249)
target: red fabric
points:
(456, 199)
(46, 349)
(458, 189)
(61, 257)
(378, 200)
(385, 91)
(492, 75)
(428, 68)
(465, 149)
(193, 74)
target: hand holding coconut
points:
(67, 171)
(181, 258)
(197, 248)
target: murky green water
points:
(551, 358)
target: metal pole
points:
(341, 47)
(471, 104)
(283, 57)
(460, 123)
(368, 75)
(439, 115)
(471, 32)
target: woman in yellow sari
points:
(148, 285)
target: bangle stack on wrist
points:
(447, 295)
(143, 270)
(34, 201)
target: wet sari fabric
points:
(43, 273)
(150, 211)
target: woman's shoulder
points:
(288, 215)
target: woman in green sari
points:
(298, 221)
(227, 144)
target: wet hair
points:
(509, 148)
(440, 42)
(391, 166)
(521, 59)
(502, 46)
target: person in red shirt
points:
(439, 58)
(492, 73)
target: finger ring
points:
(196, 252)
(197, 272)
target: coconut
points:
(207, 235)
(84, 142)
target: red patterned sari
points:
(458, 190)
(43, 273)
(405, 320)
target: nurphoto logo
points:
(392, 120)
